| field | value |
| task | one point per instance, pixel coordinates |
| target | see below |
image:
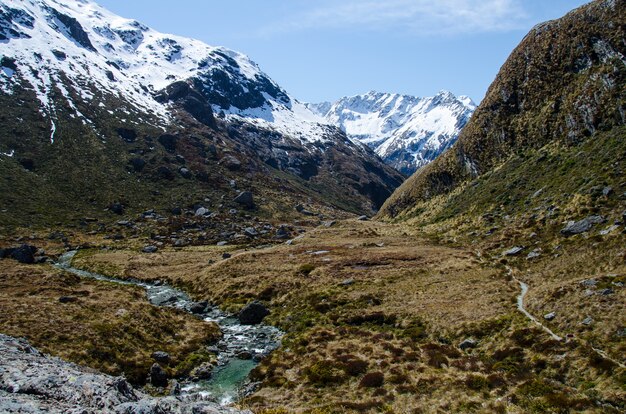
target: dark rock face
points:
(199, 307)
(158, 376)
(246, 199)
(169, 142)
(10, 20)
(24, 254)
(253, 313)
(71, 28)
(128, 135)
(138, 164)
(189, 99)
(160, 356)
(231, 162)
(31, 382)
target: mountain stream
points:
(229, 378)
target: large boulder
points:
(253, 313)
(246, 199)
(24, 254)
(158, 376)
(582, 226)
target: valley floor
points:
(378, 318)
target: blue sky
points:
(322, 50)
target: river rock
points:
(250, 232)
(468, 343)
(246, 199)
(158, 376)
(24, 254)
(245, 355)
(58, 387)
(253, 313)
(582, 226)
(198, 307)
(161, 356)
(202, 371)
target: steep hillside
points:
(406, 131)
(563, 85)
(98, 110)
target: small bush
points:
(323, 373)
(476, 382)
(305, 269)
(355, 367)
(372, 380)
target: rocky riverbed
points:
(31, 382)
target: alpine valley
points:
(179, 234)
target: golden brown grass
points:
(106, 326)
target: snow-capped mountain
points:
(71, 70)
(87, 43)
(406, 131)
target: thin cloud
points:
(418, 17)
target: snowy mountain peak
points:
(406, 131)
(46, 41)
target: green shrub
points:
(372, 380)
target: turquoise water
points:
(227, 380)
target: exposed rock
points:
(117, 208)
(250, 232)
(31, 382)
(202, 211)
(363, 218)
(160, 356)
(513, 251)
(549, 316)
(68, 299)
(198, 307)
(253, 313)
(607, 292)
(231, 162)
(203, 371)
(246, 199)
(177, 211)
(169, 142)
(158, 376)
(184, 172)
(468, 343)
(607, 191)
(150, 249)
(24, 254)
(534, 254)
(587, 321)
(245, 355)
(347, 282)
(582, 226)
(226, 255)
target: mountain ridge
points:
(406, 131)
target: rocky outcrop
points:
(31, 382)
(561, 84)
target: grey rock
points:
(203, 371)
(222, 243)
(299, 208)
(245, 355)
(184, 172)
(253, 313)
(202, 211)
(150, 249)
(158, 376)
(362, 218)
(226, 255)
(513, 251)
(549, 316)
(607, 191)
(31, 382)
(533, 255)
(607, 292)
(250, 232)
(589, 282)
(582, 226)
(329, 223)
(587, 321)
(347, 282)
(231, 162)
(246, 199)
(181, 243)
(161, 356)
(468, 343)
(117, 208)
